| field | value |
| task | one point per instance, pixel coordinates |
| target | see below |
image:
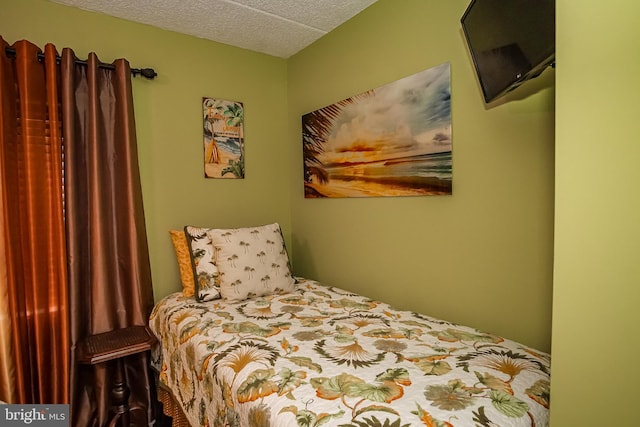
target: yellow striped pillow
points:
(183, 257)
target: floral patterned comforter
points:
(324, 356)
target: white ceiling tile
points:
(324, 15)
(275, 27)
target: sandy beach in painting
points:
(410, 186)
(214, 170)
(421, 175)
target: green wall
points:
(481, 257)
(169, 120)
(596, 300)
(484, 255)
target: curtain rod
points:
(148, 73)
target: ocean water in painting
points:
(426, 174)
(232, 145)
(437, 165)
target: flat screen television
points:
(511, 41)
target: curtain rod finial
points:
(148, 73)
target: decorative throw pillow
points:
(251, 262)
(181, 246)
(204, 268)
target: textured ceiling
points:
(275, 27)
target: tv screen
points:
(510, 41)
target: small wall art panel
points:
(394, 140)
(223, 138)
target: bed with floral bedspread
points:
(321, 356)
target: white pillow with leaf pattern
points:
(205, 271)
(251, 262)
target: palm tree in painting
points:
(236, 167)
(234, 114)
(316, 127)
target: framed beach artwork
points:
(394, 140)
(223, 138)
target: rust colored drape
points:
(109, 271)
(73, 250)
(33, 278)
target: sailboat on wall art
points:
(394, 140)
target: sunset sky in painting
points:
(408, 117)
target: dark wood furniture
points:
(115, 346)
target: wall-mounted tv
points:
(511, 41)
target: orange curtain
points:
(33, 275)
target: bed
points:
(317, 355)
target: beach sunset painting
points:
(394, 140)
